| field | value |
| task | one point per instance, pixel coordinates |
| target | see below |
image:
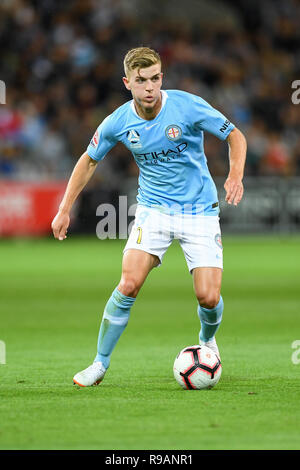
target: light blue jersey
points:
(168, 151)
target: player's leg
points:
(145, 248)
(207, 286)
(135, 268)
(202, 247)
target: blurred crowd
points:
(62, 63)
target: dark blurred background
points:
(62, 64)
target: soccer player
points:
(177, 197)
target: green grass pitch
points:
(52, 297)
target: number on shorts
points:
(142, 217)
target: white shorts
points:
(199, 236)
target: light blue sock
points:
(210, 320)
(114, 321)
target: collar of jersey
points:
(164, 96)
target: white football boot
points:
(212, 345)
(92, 375)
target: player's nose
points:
(149, 85)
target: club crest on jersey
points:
(134, 138)
(173, 132)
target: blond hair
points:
(139, 58)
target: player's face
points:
(145, 85)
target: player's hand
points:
(60, 225)
(234, 190)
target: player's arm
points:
(237, 157)
(83, 171)
(213, 121)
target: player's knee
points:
(209, 299)
(129, 287)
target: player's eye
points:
(155, 79)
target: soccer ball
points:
(197, 367)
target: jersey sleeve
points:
(207, 118)
(103, 140)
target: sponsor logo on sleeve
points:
(225, 126)
(95, 140)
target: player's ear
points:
(126, 83)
